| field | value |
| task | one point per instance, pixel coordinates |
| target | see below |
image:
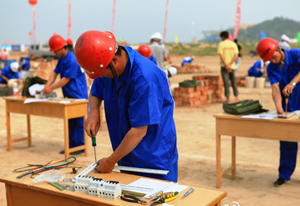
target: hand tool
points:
(164, 198)
(130, 198)
(187, 193)
(94, 145)
(286, 103)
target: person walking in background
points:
(240, 55)
(228, 52)
(159, 51)
(283, 73)
(138, 106)
(187, 60)
(284, 42)
(73, 85)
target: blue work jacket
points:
(25, 64)
(69, 68)
(284, 76)
(7, 72)
(140, 97)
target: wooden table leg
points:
(8, 195)
(29, 130)
(233, 156)
(66, 129)
(218, 158)
(8, 131)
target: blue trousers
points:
(288, 157)
(76, 132)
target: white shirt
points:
(284, 45)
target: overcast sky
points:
(135, 20)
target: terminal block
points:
(109, 190)
(82, 183)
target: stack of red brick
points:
(191, 68)
(209, 90)
(240, 81)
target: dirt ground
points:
(257, 160)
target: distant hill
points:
(272, 28)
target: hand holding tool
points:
(286, 103)
(94, 145)
(188, 192)
(130, 198)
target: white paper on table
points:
(166, 204)
(34, 88)
(64, 101)
(175, 187)
(260, 116)
(30, 100)
(152, 187)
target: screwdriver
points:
(286, 103)
(94, 145)
(188, 192)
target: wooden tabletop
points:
(50, 101)
(200, 196)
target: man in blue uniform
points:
(258, 68)
(9, 72)
(283, 72)
(187, 60)
(24, 64)
(145, 51)
(138, 105)
(73, 85)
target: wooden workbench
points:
(231, 125)
(23, 192)
(75, 108)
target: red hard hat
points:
(94, 50)
(56, 42)
(69, 41)
(266, 48)
(144, 50)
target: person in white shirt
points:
(284, 42)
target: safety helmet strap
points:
(113, 70)
(281, 58)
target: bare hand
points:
(280, 111)
(227, 67)
(47, 89)
(104, 165)
(288, 89)
(92, 123)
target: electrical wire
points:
(51, 165)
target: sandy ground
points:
(257, 160)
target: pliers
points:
(162, 198)
(130, 198)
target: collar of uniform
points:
(125, 75)
(66, 57)
(288, 60)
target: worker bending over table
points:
(283, 73)
(73, 85)
(138, 105)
